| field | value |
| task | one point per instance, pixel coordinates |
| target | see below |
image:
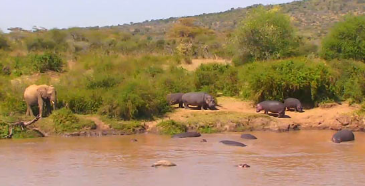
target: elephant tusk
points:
(52, 102)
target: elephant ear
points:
(43, 93)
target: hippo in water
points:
(243, 165)
(248, 136)
(272, 106)
(293, 103)
(342, 136)
(163, 163)
(200, 99)
(175, 98)
(187, 135)
(233, 143)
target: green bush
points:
(351, 79)
(65, 121)
(171, 127)
(4, 45)
(346, 40)
(264, 35)
(80, 101)
(128, 127)
(134, 100)
(215, 78)
(310, 81)
(48, 61)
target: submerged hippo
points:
(200, 99)
(175, 98)
(248, 136)
(272, 106)
(233, 143)
(187, 135)
(243, 165)
(293, 103)
(342, 136)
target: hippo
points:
(175, 98)
(342, 136)
(248, 136)
(272, 106)
(187, 135)
(203, 140)
(163, 163)
(293, 103)
(200, 99)
(233, 143)
(243, 165)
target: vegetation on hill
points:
(125, 75)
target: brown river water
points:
(294, 158)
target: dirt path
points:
(100, 125)
(312, 118)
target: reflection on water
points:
(295, 158)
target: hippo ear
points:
(43, 93)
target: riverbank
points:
(235, 116)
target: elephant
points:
(40, 94)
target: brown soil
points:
(336, 117)
(100, 125)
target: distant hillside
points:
(313, 18)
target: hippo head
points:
(210, 101)
(336, 139)
(300, 108)
(258, 108)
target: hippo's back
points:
(292, 102)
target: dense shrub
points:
(265, 34)
(215, 78)
(4, 45)
(346, 40)
(134, 100)
(309, 81)
(351, 79)
(80, 101)
(48, 61)
(171, 127)
(65, 121)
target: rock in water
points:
(248, 136)
(163, 163)
(233, 143)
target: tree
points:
(265, 34)
(346, 40)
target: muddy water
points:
(295, 158)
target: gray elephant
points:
(200, 99)
(40, 95)
(175, 98)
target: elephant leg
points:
(40, 105)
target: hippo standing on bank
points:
(200, 99)
(293, 103)
(272, 106)
(342, 136)
(175, 98)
